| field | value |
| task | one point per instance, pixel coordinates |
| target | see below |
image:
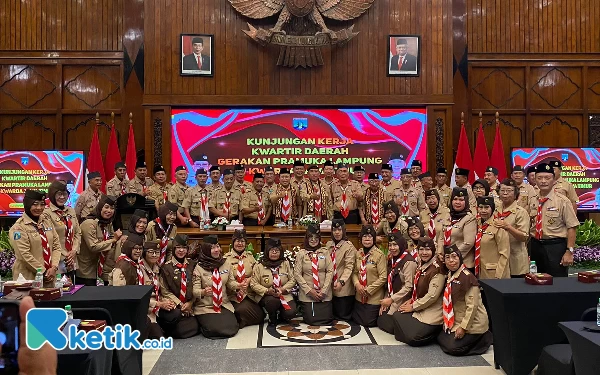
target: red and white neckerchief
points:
(315, 270)
(204, 213)
(217, 289)
(415, 252)
(478, 238)
(344, 202)
(390, 275)
(286, 206)
(363, 273)
(242, 188)
(415, 283)
(448, 232)
(538, 218)
(386, 183)
(431, 228)
(156, 286)
(164, 242)
(277, 284)
(45, 245)
(333, 251)
(144, 187)
(503, 215)
(69, 232)
(227, 205)
(183, 289)
(134, 264)
(102, 260)
(261, 212)
(123, 187)
(240, 275)
(404, 207)
(318, 202)
(448, 309)
(165, 196)
(375, 210)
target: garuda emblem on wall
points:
(300, 30)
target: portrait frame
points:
(188, 65)
(412, 62)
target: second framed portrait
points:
(404, 55)
(197, 55)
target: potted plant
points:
(307, 220)
(220, 223)
(7, 256)
(587, 250)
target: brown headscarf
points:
(97, 213)
(130, 242)
(137, 215)
(238, 234)
(54, 188)
(205, 260)
(312, 230)
(163, 211)
(271, 243)
(338, 223)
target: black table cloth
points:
(525, 317)
(84, 362)
(585, 346)
(126, 305)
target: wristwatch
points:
(572, 250)
(342, 282)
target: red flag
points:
(94, 162)
(130, 155)
(463, 156)
(481, 160)
(113, 155)
(497, 157)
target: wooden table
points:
(254, 235)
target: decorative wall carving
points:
(157, 143)
(21, 123)
(439, 142)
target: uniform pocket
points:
(491, 266)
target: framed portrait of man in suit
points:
(197, 55)
(404, 56)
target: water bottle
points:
(532, 267)
(290, 223)
(598, 313)
(38, 282)
(69, 312)
(59, 284)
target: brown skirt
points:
(468, 345)
(248, 313)
(365, 315)
(218, 326)
(317, 313)
(409, 330)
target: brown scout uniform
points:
(402, 282)
(250, 199)
(170, 281)
(50, 213)
(219, 197)
(463, 236)
(202, 279)
(92, 245)
(303, 274)
(262, 280)
(232, 259)
(389, 188)
(469, 312)
(519, 219)
(494, 191)
(370, 198)
(345, 255)
(416, 200)
(86, 203)
(151, 236)
(148, 271)
(27, 243)
(278, 202)
(177, 195)
(193, 200)
(351, 188)
(528, 199)
(243, 187)
(297, 184)
(270, 188)
(566, 188)
(138, 186)
(383, 229)
(115, 187)
(445, 193)
(441, 219)
(430, 289)
(557, 217)
(376, 275)
(495, 252)
(157, 192)
(306, 190)
(212, 187)
(123, 274)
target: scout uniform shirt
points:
(232, 259)
(24, 237)
(170, 281)
(373, 205)
(410, 202)
(262, 280)
(304, 275)
(159, 193)
(469, 312)
(151, 279)
(528, 199)
(376, 264)
(270, 188)
(250, 199)
(403, 276)
(86, 203)
(221, 196)
(297, 184)
(151, 236)
(495, 251)
(463, 236)
(518, 217)
(203, 304)
(441, 218)
(92, 245)
(138, 186)
(196, 200)
(116, 187)
(212, 187)
(59, 219)
(494, 191)
(345, 256)
(430, 288)
(416, 183)
(278, 203)
(445, 193)
(383, 229)
(177, 195)
(243, 187)
(310, 207)
(566, 188)
(557, 217)
(389, 188)
(351, 188)
(329, 183)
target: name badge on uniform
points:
(17, 236)
(370, 262)
(283, 274)
(552, 209)
(47, 229)
(223, 272)
(321, 256)
(456, 226)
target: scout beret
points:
(238, 167)
(442, 170)
(359, 168)
(373, 176)
(416, 163)
(181, 240)
(386, 167)
(298, 163)
(398, 238)
(531, 169)
(426, 242)
(214, 168)
(211, 239)
(93, 175)
(337, 223)
(257, 175)
(555, 164)
(367, 230)
(158, 168)
(509, 182)
(273, 242)
(423, 175)
(200, 171)
(342, 165)
(149, 245)
(35, 195)
(485, 201)
(179, 168)
(269, 169)
(239, 234)
(284, 171)
(313, 229)
(492, 169)
(140, 164)
(120, 164)
(312, 167)
(544, 168)
(431, 192)
(396, 155)
(328, 163)
(461, 172)
(227, 172)
(140, 213)
(404, 171)
(517, 168)
(459, 192)
(451, 249)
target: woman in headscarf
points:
(96, 256)
(35, 241)
(176, 285)
(272, 280)
(138, 223)
(462, 228)
(419, 319)
(343, 256)
(212, 281)
(128, 268)
(416, 230)
(313, 272)
(492, 246)
(66, 225)
(163, 229)
(241, 264)
(435, 215)
(480, 188)
(369, 278)
(401, 268)
(465, 320)
(392, 222)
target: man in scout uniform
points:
(256, 207)
(117, 185)
(270, 184)
(242, 185)
(531, 177)
(409, 198)
(491, 176)
(328, 172)
(444, 191)
(140, 183)
(159, 191)
(416, 168)
(435, 216)
(347, 196)
(299, 171)
(87, 201)
(527, 194)
(215, 178)
(358, 175)
(387, 182)
(195, 202)
(555, 226)
(426, 181)
(225, 200)
(315, 196)
(371, 212)
(284, 198)
(462, 181)
(563, 186)
(177, 194)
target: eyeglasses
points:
(478, 188)
(138, 248)
(153, 252)
(63, 194)
(507, 191)
(274, 250)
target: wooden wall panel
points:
(498, 88)
(557, 131)
(29, 87)
(593, 87)
(556, 87)
(32, 132)
(91, 87)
